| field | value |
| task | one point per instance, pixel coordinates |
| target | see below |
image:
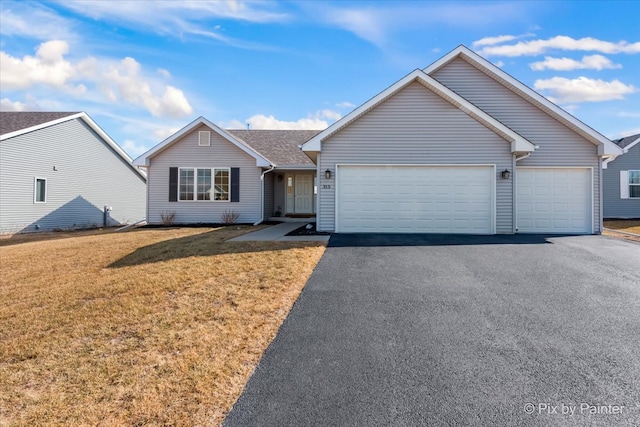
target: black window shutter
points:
(173, 184)
(235, 184)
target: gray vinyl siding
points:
(268, 194)
(415, 126)
(186, 153)
(614, 206)
(558, 145)
(89, 175)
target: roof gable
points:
(518, 142)
(605, 146)
(628, 142)
(143, 160)
(33, 121)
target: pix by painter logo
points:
(546, 408)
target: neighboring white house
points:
(59, 170)
(460, 147)
(621, 194)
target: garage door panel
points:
(551, 200)
(415, 199)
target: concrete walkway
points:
(278, 233)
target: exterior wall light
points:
(327, 174)
(505, 174)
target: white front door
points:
(303, 203)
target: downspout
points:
(602, 164)
(514, 189)
(262, 194)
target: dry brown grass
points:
(149, 327)
(629, 226)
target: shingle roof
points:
(623, 142)
(279, 146)
(11, 121)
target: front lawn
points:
(626, 225)
(148, 327)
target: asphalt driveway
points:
(436, 330)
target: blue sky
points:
(144, 69)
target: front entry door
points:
(303, 194)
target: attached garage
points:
(554, 200)
(415, 199)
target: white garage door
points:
(415, 199)
(554, 200)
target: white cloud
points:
(152, 12)
(320, 120)
(164, 73)
(345, 104)
(133, 149)
(634, 114)
(8, 105)
(329, 114)
(117, 81)
(47, 67)
(538, 47)
(368, 24)
(499, 64)
(588, 62)
(583, 89)
(489, 41)
(377, 24)
(260, 121)
(177, 18)
(28, 19)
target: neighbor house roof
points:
(261, 160)
(518, 142)
(605, 146)
(280, 146)
(14, 123)
(627, 142)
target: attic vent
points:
(204, 138)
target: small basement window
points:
(204, 138)
(40, 190)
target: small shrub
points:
(168, 217)
(229, 216)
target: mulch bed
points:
(308, 229)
